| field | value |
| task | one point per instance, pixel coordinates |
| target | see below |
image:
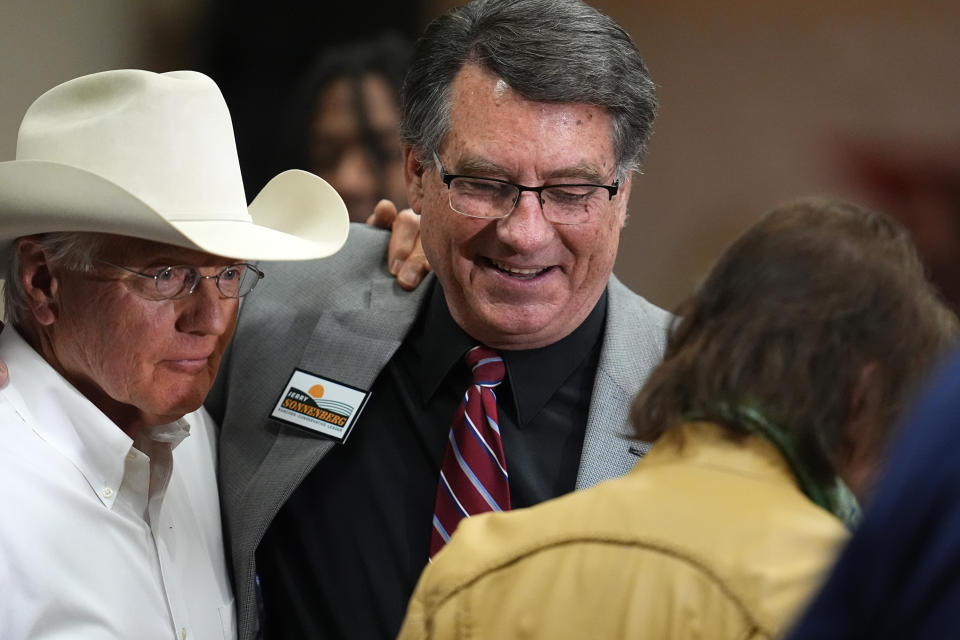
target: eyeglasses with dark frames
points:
(179, 281)
(492, 198)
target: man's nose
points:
(206, 311)
(526, 229)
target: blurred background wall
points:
(760, 102)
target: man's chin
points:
(170, 411)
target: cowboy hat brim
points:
(296, 216)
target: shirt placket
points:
(163, 530)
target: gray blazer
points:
(343, 318)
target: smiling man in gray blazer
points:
(523, 123)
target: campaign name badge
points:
(318, 404)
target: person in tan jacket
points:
(783, 378)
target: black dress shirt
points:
(344, 553)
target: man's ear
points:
(38, 281)
(413, 172)
(865, 439)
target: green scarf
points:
(834, 496)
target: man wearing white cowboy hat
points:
(124, 236)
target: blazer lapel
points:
(632, 346)
(347, 345)
(350, 346)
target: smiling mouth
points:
(517, 272)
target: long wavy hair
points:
(787, 321)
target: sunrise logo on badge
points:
(327, 406)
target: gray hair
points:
(68, 249)
(547, 51)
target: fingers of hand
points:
(404, 240)
(413, 270)
(383, 216)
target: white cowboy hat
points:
(153, 156)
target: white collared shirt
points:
(89, 547)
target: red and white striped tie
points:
(473, 476)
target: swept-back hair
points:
(547, 51)
(787, 321)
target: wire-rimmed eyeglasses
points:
(493, 198)
(179, 281)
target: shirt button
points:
(107, 492)
(132, 455)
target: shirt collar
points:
(68, 421)
(534, 375)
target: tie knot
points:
(486, 366)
